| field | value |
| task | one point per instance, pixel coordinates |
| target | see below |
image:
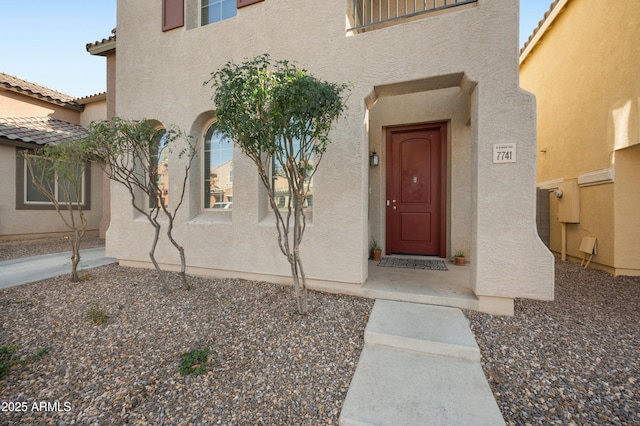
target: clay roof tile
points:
(40, 130)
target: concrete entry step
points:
(419, 366)
(434, 330)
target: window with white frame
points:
(217, 10)
(217, 170)
(63, 189)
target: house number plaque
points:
(504, 152)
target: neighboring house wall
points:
(14, 104)
(582, 65)
(28, 101)
(22, 223)
(94, 110)
(458, 67)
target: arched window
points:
(280, 183)
(159, 170)
(218, 171)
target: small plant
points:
(96, 315)
(459, 253)
(83, 273)
(194, 362)
(7, 359)
(376, 250)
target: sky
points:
(44, 41)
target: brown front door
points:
(416, 189)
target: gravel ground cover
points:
(572, 361)
(267, 364)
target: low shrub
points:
(194, 362)
(96, 315)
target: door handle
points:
(394, 207)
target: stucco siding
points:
(395, 73)
(7, 191)
(583, 71)
(627, 211)
(13, 105)
(581, 77)
(596, 221)
(94, 111)
(24, 223)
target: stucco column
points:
(510, 260)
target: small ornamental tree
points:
(134, 153)
(57, 171)
(280, 116)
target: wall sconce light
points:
(374, 159)
(558, 193)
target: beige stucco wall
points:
(596, 220)
(160, 76)
(627, 211)
(583, 71)
(93, 111)
(24, 223)
(13, 105)
(111, 84)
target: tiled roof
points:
(92, 98)
(101, 46)
(25, 87)
(540, 23)
(40, 130)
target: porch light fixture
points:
(373, 159)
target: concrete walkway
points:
(36, 268)
(420, 366)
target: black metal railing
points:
(367, 13)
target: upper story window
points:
(218, 171)
(217, 10)
(198, 13)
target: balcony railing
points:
(367, 13)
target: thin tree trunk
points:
(156, 236)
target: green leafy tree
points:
(280, 116)
(132, 152)
(57, 171)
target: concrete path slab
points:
(434, 330)
(393, 387)
(36, 268)
(420, 366)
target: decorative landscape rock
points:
(571, 361)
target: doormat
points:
(396, 262)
